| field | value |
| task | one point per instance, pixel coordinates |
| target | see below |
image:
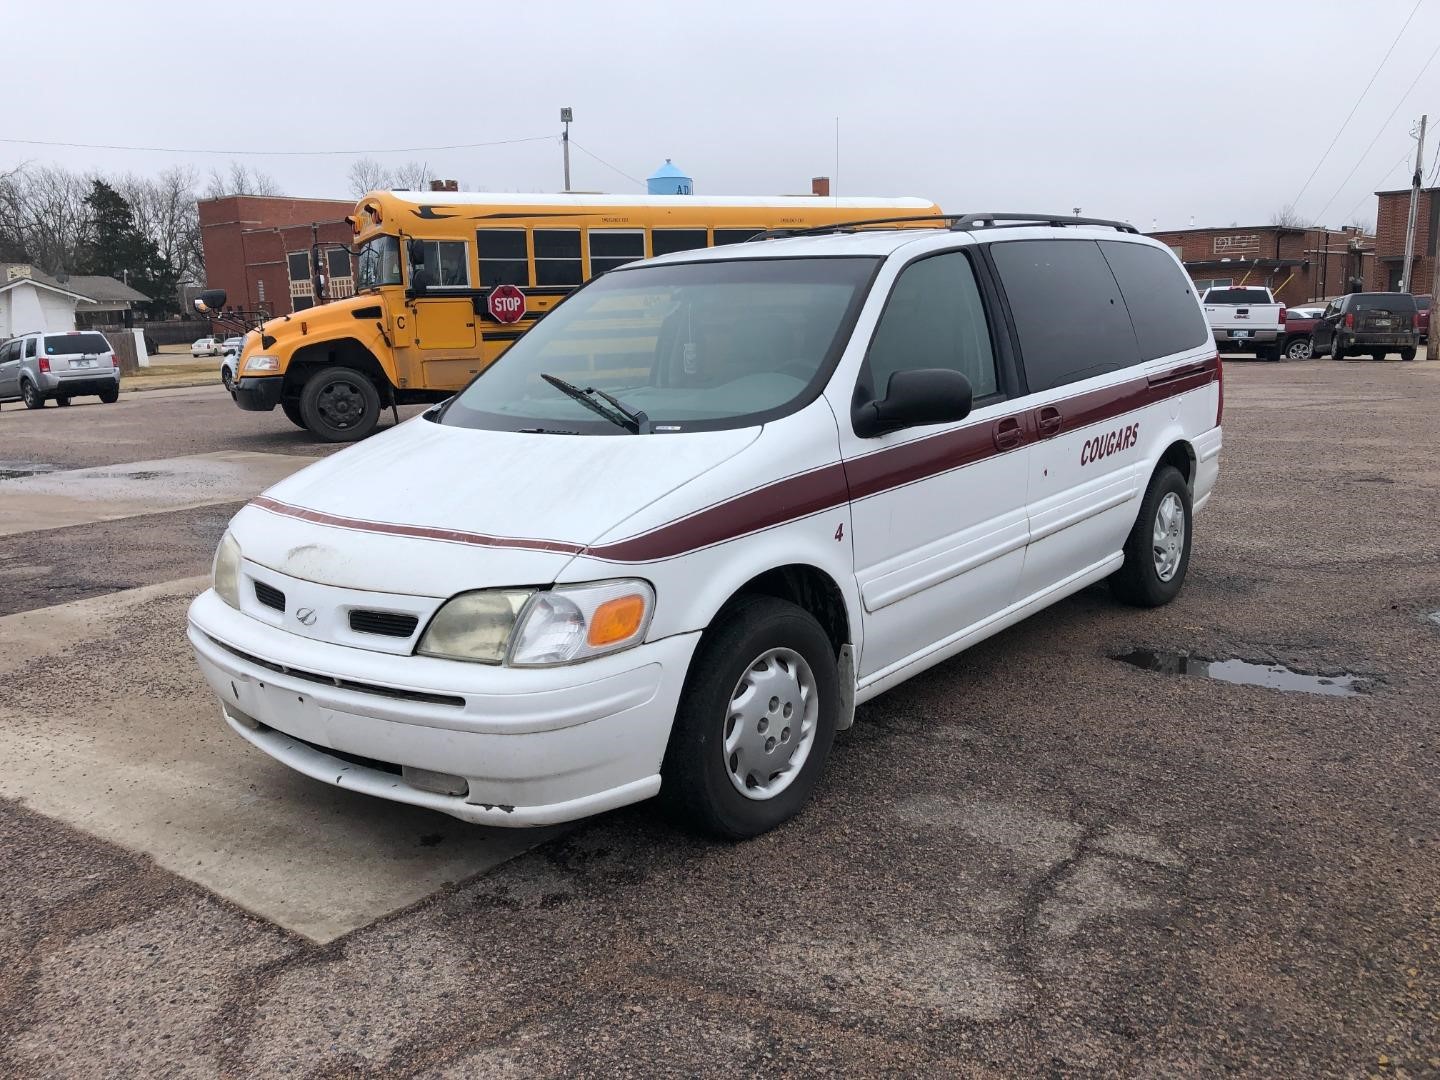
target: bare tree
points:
(367, 174)
(1366, 227)
(412, 176)
(1287, 217)
(240, 179)
(165, 211)
(44, 215)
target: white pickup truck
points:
(1245, 317)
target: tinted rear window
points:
(1160, 297)
(1067, 309)
(64, 344)
(1237, 296)
(1382, 302)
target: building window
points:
(557, 257)
(610, 248)
(300, 303)
(503, 257)
(299, 264)
(339, 260)
(260, 290)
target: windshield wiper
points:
(545, 431)
(632, 420)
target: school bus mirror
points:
(210, 301)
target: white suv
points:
(37, 368)
(714, 500)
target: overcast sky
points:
(1155, 112)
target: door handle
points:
(1049, 421)
(1008, 433)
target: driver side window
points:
(934, 318)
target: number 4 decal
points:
(840, 532)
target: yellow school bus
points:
(419, 326)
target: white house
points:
(31, 301)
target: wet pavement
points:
(1030, 861)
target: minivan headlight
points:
(225, 573)
(541, 627)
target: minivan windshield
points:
(691, 346)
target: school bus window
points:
(610, 248)
(665, 241)
(557, 257)
(447, 263)
(504, 259)
(734, 236)
(379, 262)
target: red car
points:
(1299, 321)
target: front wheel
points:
(1299, 349)
(62, 401)
(1157, 552)
(1407, 354)
(1377, 355)
(755, 722)
(291, 408)
(227, 379)
(110, 395)
(340, 405)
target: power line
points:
(1360, 160)
(602, 161)
(275, 153)
(1379, 183)
(1350, 115)
(1435, 165)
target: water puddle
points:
(13, 470)
(1434, 617)
(1245, 672)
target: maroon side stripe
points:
(813, 492)
(453, 536)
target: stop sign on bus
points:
(506, 304)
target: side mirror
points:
(914, 398)
(210, 301)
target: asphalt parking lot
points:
(1034, 860)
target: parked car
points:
(37, 368)
(229, 366)
(1245, 316)
(232, 344)
(1375, 323)
(1299, 322)
(1422, 304)
(592, 576)
(206, 346)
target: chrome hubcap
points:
(1168, 542)
(1300, 350)
(771, 725)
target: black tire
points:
(62, 401)
(110, 396)
(31, 395)
(1138, 580)
(339, 404)
(696, 781)
(227, 379)
(1407, 354)
(291, 408)
(1377, 354)
(1299, 348)
(1336, 352)
(1267, 352)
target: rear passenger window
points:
(1160, 299)
(29, 347)
(1067, 310)
(933, 319)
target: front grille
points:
(345, 684)
(386, 623)
(270, 596)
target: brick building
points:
(1300, 265)
(259, 250)
(1389, 261)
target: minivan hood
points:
(433, 510)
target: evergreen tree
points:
(116, 247)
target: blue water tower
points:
(668, 180)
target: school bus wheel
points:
(340, 404)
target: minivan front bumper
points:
(534, 746)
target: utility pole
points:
(1414, 208)
(565, 117)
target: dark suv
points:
(1375, 323)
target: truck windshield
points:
(1237, 296)
(379, 263)
(692, 346)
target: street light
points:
(566, 115)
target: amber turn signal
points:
(615, 620)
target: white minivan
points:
(713, 501)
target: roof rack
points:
(990, 219)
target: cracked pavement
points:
(1031, 861)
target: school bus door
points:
(445, 335)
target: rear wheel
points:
(755, 722)
(30, 395)
(291, 408)
(1298, 349)
(1407, 354)
(1336, 352)
(1157, 552)
(111, 395)
(340, 405)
